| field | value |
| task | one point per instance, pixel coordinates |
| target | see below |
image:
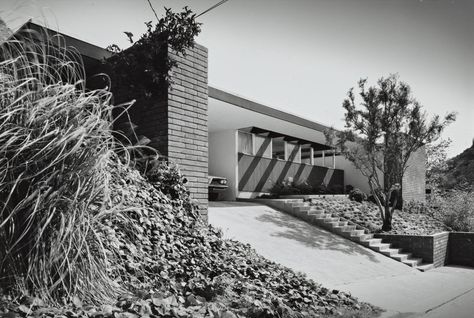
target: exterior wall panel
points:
(258, 174)
(414, 179)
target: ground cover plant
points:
(86, 232)
(367, 215)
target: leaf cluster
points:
(143, 70)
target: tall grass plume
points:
(55, 147)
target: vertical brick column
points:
(187, 122)
(414, 179)
(176, 121)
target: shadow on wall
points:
(311, 236)
(258, 174)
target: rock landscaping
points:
(367, 215)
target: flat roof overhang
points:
(273, 134)
(245, 103)
(39, 32)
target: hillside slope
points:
(170, 264)
(460, 171)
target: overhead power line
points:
(212, 8)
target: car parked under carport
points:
(216, 185)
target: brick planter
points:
(431, 248)
(461, 249)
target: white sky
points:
(302, 56)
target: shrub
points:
(357, 195)
(284, 188)
(320, 189)
(349, 188)
(457, 210)
(304, 188)
(168, 179)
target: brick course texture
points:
(176, 123)
(414, 178)
(461, 249)
(431, 248)
(187, 122)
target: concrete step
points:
(298, 204)
(391, 252)
(348, 228)
(380, 247)
(316, 214)
(357, 233)
(343, 223)
(425, 267)
(366, 237)
(371, 241)
(332, 220)
(401, 256)
(304, 208)
(413, 262)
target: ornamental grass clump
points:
(55, 146)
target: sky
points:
(302, 56)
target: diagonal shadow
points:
(288, 164)
(266, 175)
(254, 164)
(298, 174)
(312, 236)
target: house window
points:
(293, 151)
(278, 149)
(263, 146)
(245, 144)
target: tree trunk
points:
(387, 220)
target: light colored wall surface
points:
(223, 160)
(352, 176)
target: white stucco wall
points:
(352, 176)
(223, 160)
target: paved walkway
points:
(341, 264)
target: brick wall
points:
(431, 248)
(440, 248)
(461, 249)
(414, 179)
(187, 121)
(176, 122)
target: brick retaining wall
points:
(461, 249)
(431, 248)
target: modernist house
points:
(208, 130)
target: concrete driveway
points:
(342, 264)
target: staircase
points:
(345, 228)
